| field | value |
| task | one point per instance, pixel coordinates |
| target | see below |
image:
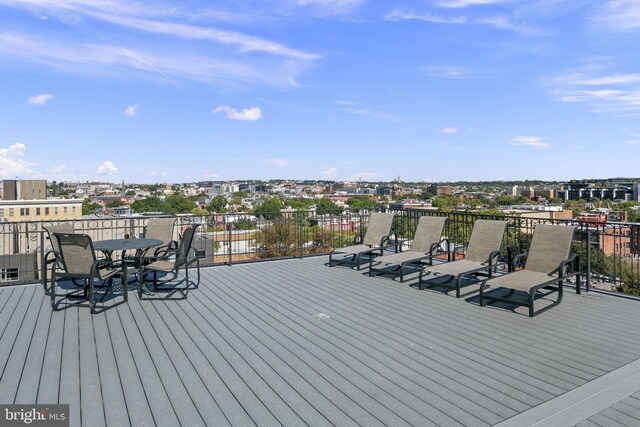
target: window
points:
(46, 211)
(10, 211)
(64, 210)
(73, 210)
(55, 210)
(9, 274)
(24, 211)
(1, 212)
(37, 211)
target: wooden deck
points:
(297, 343)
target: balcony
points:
(294, 342)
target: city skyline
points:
(436, 91)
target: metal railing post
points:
(301, 238)
(588, 278)
(230, 225)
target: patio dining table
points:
(139, 245)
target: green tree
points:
(269, 209)
(277, 239)
(327, 206)
(218, 204)
(176, 204)
(150, 204)
(114, 203)
(446, 202)
(362, 202)
(88, 208)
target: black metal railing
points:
(608, 251)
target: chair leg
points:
(481, 294)
(531, 298)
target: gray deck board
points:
(115, 407)
(294, 342)
(27, 391)
(13, 354)
(624, 413)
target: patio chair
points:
(548, 263)
(53, 255)
(169, 263)
(157, 228)
(482, 256)
(161, 229)
(375, 238)
(77, 261)
(426, 245)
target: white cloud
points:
(41, 99)
(330, 173)
(12, 163)
(632, 142)
(454, 4)
(447, 72)
(530, 141)
(619, 15)
(153, 173)
(450, 130)
(276, 162)
(502, 22)
(131, 110)
(331, 7)
(107, 168)
(247, 114)
(209, 175)
(614, 79)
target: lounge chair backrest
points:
(185, 243)
(550, 246)
(486, 237)
(161, 229)
(379, 227)
(428, 232)
(77, 252)
(65, 228)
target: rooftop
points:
(294, 342)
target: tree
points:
(88, 208)
(114, 203)
(198, 211)
(218, 204)
(277, 239)
(269, 209)
(446, 202)
(176, 204)
(362, 202)
(327, 206)
(150, 204)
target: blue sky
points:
(428, 90)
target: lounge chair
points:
(426, 244)
(482, 256)
(169, 263)
(374, 240)
(77, 261)
(548, 263)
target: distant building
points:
(617, 191)
(440, 190)
(40, 210)
(23, 189)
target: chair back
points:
(486, 237)
(161, 229)
(185, 243)
(428, 232)
(379, 227)
(550, 246)
(65, 228)
(77, 252)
